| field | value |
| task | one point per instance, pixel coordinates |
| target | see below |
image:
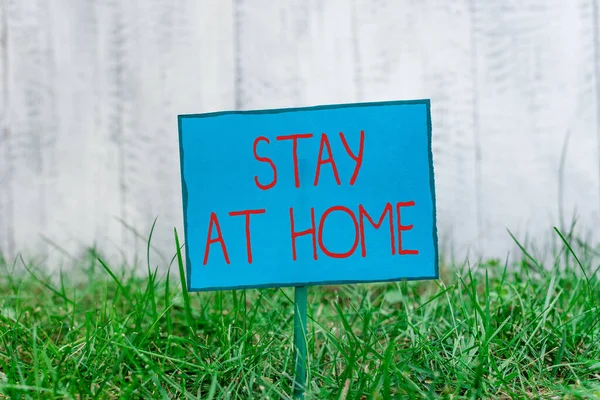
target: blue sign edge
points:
(184, 193)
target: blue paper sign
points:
(309, 196)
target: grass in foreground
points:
(486, 331)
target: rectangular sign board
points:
(309, 196)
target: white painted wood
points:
(90, 92)
(535, 69)
(423, 50)
(31, 136)
(6, 194)
(95, 89)
(294, 53)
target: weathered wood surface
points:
(90, 91)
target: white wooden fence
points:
(90, 92)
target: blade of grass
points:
(182, 278)
(117, 281)
(47, 286)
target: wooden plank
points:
(118, 75)
(326, 53)
(575, 74)
(187, 52)
(131, 145)
(149, 64)
(422, 50)
(7, 239)
(531, 96)
(84, 194)
(293, 53)
(156, 149)
(32, 129)
(83, 197)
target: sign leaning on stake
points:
(322, 195)
(307, 196)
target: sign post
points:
(300, 306)
(337, 194)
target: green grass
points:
(489, 330)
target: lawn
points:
(484, 330)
